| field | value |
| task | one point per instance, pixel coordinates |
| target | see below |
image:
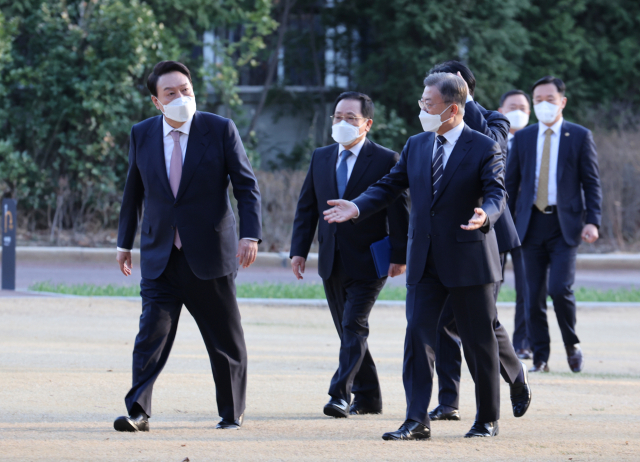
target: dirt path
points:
(65, 367)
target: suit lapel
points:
(531, 152)
(564, 147)
(459, 152)
(362, 162)
(332, 160)
(196, 147)
(427, 149)
(156, 148)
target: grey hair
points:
(451, 87)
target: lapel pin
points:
(566, 133)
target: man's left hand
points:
(396, 269)
(477, 220)
(590, 233)
(247, 251)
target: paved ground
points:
(65, 367)
(28, 273)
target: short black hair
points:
(550, 79)
(504, 97)
(366, 103)
(164, 67)
(453, 67)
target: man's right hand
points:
(124, 260)
(341, 211)
(297, 265)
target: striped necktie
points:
(437, 167)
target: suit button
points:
(433, 214)
(428, 236)
(173, 227)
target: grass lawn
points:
(316, 291)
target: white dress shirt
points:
(167, 141)
(553, 158)
(510, 140)
(452, 138)
(351, 160)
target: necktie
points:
(341, 174)
(437, 167)
(175, 173)
(542, 197)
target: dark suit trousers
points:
(551, 262)
(449, 358)
(212, 303)
(474, 310)
(350, 301)
(520, 338)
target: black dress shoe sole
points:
(125, 425)
(392, 437)
(333, 411)
(227, 427)
(364, 412)
(444, 417)
(482, 435)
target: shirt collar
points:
(555, 127)
(185, 128)
(354, 150)
(510, 136)
(453, 134)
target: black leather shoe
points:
(439, 414)
(363, 410)
(136, 422)
(337, 408)
(574, 357)
(410, 430)
(521, 395)
(524, 353)
(542, 366)
(225, 424)
(480, 430)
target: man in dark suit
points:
(516, 106)
(453, 176)
(180, 164)
(448, 356)
(346, 265)
(555, 196)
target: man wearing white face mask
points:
(555, 196)
(346, 265)
(516, 106)
(180, 165)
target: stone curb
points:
(322, 303)
(613, 261)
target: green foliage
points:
(388, 129)
(316, 291)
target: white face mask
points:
(546, 112)
(432, 122)
(180, 109)
(518, 119)
(345, 133)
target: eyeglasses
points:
(349, 119)
(427, 106)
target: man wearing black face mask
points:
(346, 266)
(448, 357)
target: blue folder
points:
(381, 252)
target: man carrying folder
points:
(346, 260)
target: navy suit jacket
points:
(473, 177)
(495, 126)
(201, 210)
(353, 239)
(579, 197)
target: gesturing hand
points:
(340, 212)
(477, 220)
(590, 233)
(247, 251)
(297, 265)
(124, 260)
